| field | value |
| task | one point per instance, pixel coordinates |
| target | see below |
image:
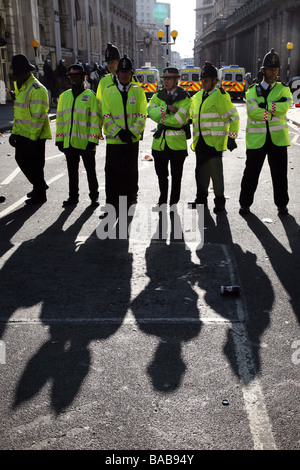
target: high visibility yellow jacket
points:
(31, 106)
(172, 125)
(277, 104)
(78, 119)
(116, 116)
(106, 80)
(216, 118)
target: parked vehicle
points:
(190, 79)
(149, 79)
(232, 80)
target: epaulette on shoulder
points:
(222, 91)
(36, 85)
(284, 83)
(253, 84)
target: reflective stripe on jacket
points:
(78, 119)
(31, 106)
(115, 117)
(175, 138)
(218, 119)
(274, 115)
(104, 82)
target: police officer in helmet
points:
(215, 129)
(267, 134)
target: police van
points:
(232, 80)
(190, 79)
(149, 79)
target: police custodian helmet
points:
(125, 64)
(209, 71)
(111, 52)
(271, 60)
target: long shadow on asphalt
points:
(257, 293)
(65, 283)
(285, 263)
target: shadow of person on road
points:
(285, 263)
(80, 290)
(11, 223)
(167, 307)
(257, 296)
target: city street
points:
(125, 342)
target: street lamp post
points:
(289, 47)
(161, 34)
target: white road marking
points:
(23, 199)
(11, 176)
(259, 422)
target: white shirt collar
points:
(265, 85)
(121, 87)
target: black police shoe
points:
(70, 202)
(33, 192)
(35, 200)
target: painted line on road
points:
(124, 321)
(11, 176)
(259, 422)
(16, 204)
(254, 403)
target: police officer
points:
(112, 57)
(31, 126)
(170, 109)
(78, 133)
(267, 134)
(215, 128)
(124, 108)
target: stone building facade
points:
(72, 30)
(245, 35)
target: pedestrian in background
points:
(170, 109)
(124, 108)
(31, 126)
(268, 102)
(78, 133)
(215, 128)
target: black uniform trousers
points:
(162, 159)
(30, 156)
(209, 165)
(121, 172)
(88, 157)
(277, 159)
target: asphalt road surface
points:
(115, 337)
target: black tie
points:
(205, 95)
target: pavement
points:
(7, 113)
